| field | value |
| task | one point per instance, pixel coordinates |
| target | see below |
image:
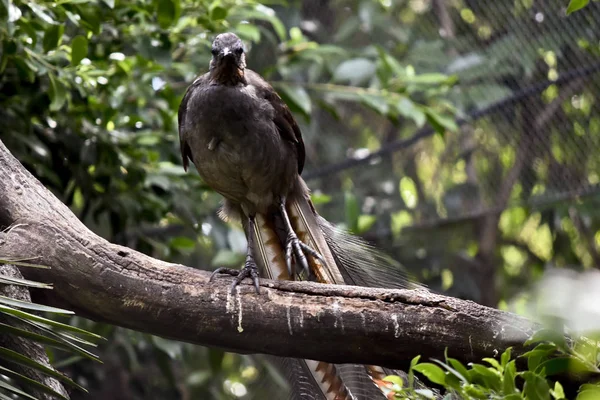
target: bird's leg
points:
(250, 269)
(296, 246)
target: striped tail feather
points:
(348, 260)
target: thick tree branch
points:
(341, 324)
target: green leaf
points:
(183, 243)
(65, 338)
(408, 192)
(20, 263)
(490, 376)
(575, 5)
(589, 392)
(53, 37)
(505, 357)
(218, 12)
(32, 306)
(12, 389)
(365, 222)
(20, 359)
(356, 71)
(167, 12)
(429, 79)
(549, 335)
(508, 380)
(434, 373)
(9, 280)
(538, 355)
(248, 32)
(535, 387)
(454, 372)
(352, 211)
(559, 365)
(296, 98)
(411, 373)
(377, 103)
(79, 49)
(170, 347)
(48, 322)
(439, 122)
(459, 367)
(42, 12)
(109, 3)
(268, 14)
(31, 383)
(558, 392)
(320, 198)
(493, 362)
(60, 343)
(89, 18)
(408, 109)
(57, 93)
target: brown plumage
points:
(246, 145)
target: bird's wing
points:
(284, 120)
(186, 152)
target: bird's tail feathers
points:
(348, 260)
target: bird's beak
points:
(225, 52)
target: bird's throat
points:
(228, 73)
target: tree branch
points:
(341, 324)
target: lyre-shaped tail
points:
(348, 260)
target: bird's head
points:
(228, 59)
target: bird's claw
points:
(250, 270)
(299, 249)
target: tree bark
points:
(335, 323)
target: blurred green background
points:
(460, 136)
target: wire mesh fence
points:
(526, 96)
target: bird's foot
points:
(299, 250)
(250, 270)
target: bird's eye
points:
(214, 52)
(239, 51)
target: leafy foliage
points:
(505, 378)
(47, 331)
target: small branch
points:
(341, 324)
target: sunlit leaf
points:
(575, 5)
(79, 49)
(434, 373)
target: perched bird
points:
(246, 145)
